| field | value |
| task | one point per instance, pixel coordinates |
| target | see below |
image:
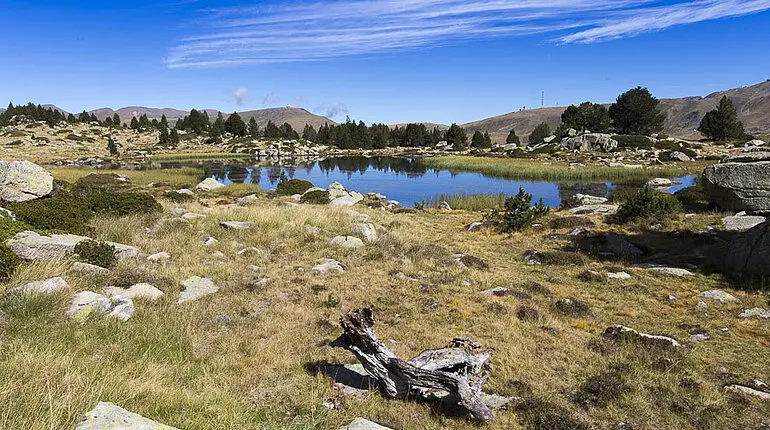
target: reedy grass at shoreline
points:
(537, 170)
(470, 202)
(181, 177)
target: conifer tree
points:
(722, 123)
(512, 138)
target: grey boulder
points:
(748, 254)
(363, 424)
(195, 287)
(29, 245)
(347, 242)
(209, 184)
(22, 180)
(107, 416)
(49, 286)
(742, 183)
(366, 231)
(597, 142)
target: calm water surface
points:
(402, 179)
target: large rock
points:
(107, 416)
(347, 242)
(87, 303)
(597, 142)
(139, 291)
(22, 180)
(366, 231)
(49, 286)
(349, 200)
(195, 287)
(363, 424)
(742, 222)
(749, 253)
(742, 183)
(209, 184)
(29, 245)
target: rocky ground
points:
(221, 307)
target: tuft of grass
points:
(470, 202)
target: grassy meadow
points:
(247, 356)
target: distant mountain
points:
(297, 117)
(683, 114)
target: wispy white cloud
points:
(241, 95)
(271, 99)
(334, 110)
(289, 30)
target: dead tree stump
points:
(458, 369)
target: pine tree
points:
(539, 134)
(235, 125)
(134, 123)
(722, 123)
(253, 128)
(487, 140)
(457, 138)
(636, 113)
(309, 133)
(112, 147)
(84, 117)
(174, 137)
(116, 120)
(512, 139)
(163, 121)
(93, 118)
(271, 131)
(587, 116)
(477, 141)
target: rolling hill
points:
(683, 114)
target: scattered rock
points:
(619, 275)
(746, 390)
(679, 156)
(702, 305)
(672, 271)
(367, 231)
(313, 230)
(621, 333)
(742, 222)
(29, 245)
(247, 199)
(748, 253)
(755, 313)
(474, 226)
(49, 286)
(471, 262)
(87, 303)
(237, 225)
(329, 266)
(337, 190)
(363, 424)
(595, 210)
(89, 269)
(740, 183)
(160, 257)
(210, 241)
(195, 287)
(190, 216)
(347, 242)
(349, 200)
(249, 250)
(497, 292)
(720, 295)
(209, 184)
(185, 191)
(357, 215)
(107, 416)
(586, 199)
(139, 291)
(445, 206)
(255, 269)
(21, 181)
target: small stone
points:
(161, 257)
(719, 295)
(672, 271)
(185, 191)
(138, 291)
(178, 211)
(619, 275)
(363, 424)
(195, 287)
(328, 265)
(249, 250)
(702, 305)
(210, 241)
(121, 308)
(237, 225)
(89, 269)
(190, 216)
(366, 231)
(313, 230)
(672, 299)
(750, 391)
(107, 416)
(700, 337)
(347, 242)
(209, 184)
(255, 269)
(445, 206)
(86, 303)
(247, 199)
(49, 286)
(755, 313)
(620, 332)
(497, 292)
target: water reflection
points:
(403, 179)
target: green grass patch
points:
(522, 169)
(202, 156)
(470, 202)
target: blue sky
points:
(377, 60)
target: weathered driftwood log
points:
(458, 368)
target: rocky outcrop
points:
(596, 142)
(209, 184)
(29, 245)
(741, 183)
(22, 180)
(107, 416)
(748, 255)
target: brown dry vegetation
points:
(247, 359)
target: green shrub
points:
(641, 142)
(602, 389)
(571, 307)
(98, 253)
(292, 186)
(8, 263)
(178, 197)
(561, 258)
(318, 197)
(518, 213)
(15, 143)
(97, 182)
(592, 277)
(122, 203)
(10, 228)
(62, 213)
(648, 204)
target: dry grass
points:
(242, 358)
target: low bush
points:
(571, 307)
(648, 204)
(539, 414)
(10, 228)
(62, 213)
(317, 197)
(292, 186)
(122, 203)
(691, 195)
(641, 142)
(527, 313)
(97, 182)
(176, 197)
(600, 390)
(98, 253)
(8, 263)
(561, 258)
(592, 277)
(15, 143)
(518, 213)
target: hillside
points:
(684, 114)
(137, 111)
